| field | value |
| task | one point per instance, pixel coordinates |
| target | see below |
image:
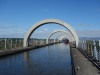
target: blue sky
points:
(17, 16)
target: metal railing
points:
(91, 48)
(13, 43)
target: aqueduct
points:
(48, 21)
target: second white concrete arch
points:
(68, 34)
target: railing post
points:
(5, 43)
(54, 40)
(11, 43)
(85, 48)
(36, 41)
(91, 48)
(40, 42)
(88, 47)
(20, 42)
(83, 44)
(95, 51)
(80, 44)
(15, 43)
(32, 42)
(99, 51)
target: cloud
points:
(45, 29)
(11, 32)
(88, 33)
(82, 25)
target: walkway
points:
(82, 65)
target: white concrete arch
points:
(63, 35)
(47, 21)
(66, 32)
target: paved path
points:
(82, 65)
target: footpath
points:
(82, 65)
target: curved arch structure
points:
(68, 34)
(47, 21)
(62, 35)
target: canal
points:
(49, 60)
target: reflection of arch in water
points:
(68, 34)
(63, 35)
(48, 21)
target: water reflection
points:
(49, 60)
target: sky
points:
(17, 16)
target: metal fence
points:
(91, 48)
(11, 43)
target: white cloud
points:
(81, 25)
(88, 33)
(45, 29)
(11, 32)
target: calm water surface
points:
(49, 60)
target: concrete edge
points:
(72, 62)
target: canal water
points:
(49, 60)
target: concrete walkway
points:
(82, 65)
